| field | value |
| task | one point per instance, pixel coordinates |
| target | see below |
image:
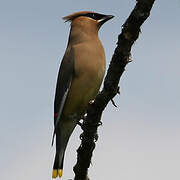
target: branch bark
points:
(120, 58)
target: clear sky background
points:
(139, 140)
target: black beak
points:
(105, 19)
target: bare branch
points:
(120, 58)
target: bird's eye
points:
(93, 15)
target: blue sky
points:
(138, 140)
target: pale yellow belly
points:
(83, 89)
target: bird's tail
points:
(58, 166)
(59, 157)
(62, 138)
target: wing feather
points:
(63, 85)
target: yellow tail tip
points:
(54, 173)
(60, 172)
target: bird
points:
(79, 79)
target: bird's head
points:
(87, 20)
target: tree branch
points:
(120, 58)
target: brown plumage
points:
(71, 17)
(80, 77)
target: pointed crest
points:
(71, 17)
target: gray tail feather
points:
(58, 161)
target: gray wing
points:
(63, 85)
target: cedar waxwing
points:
(79, 79)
